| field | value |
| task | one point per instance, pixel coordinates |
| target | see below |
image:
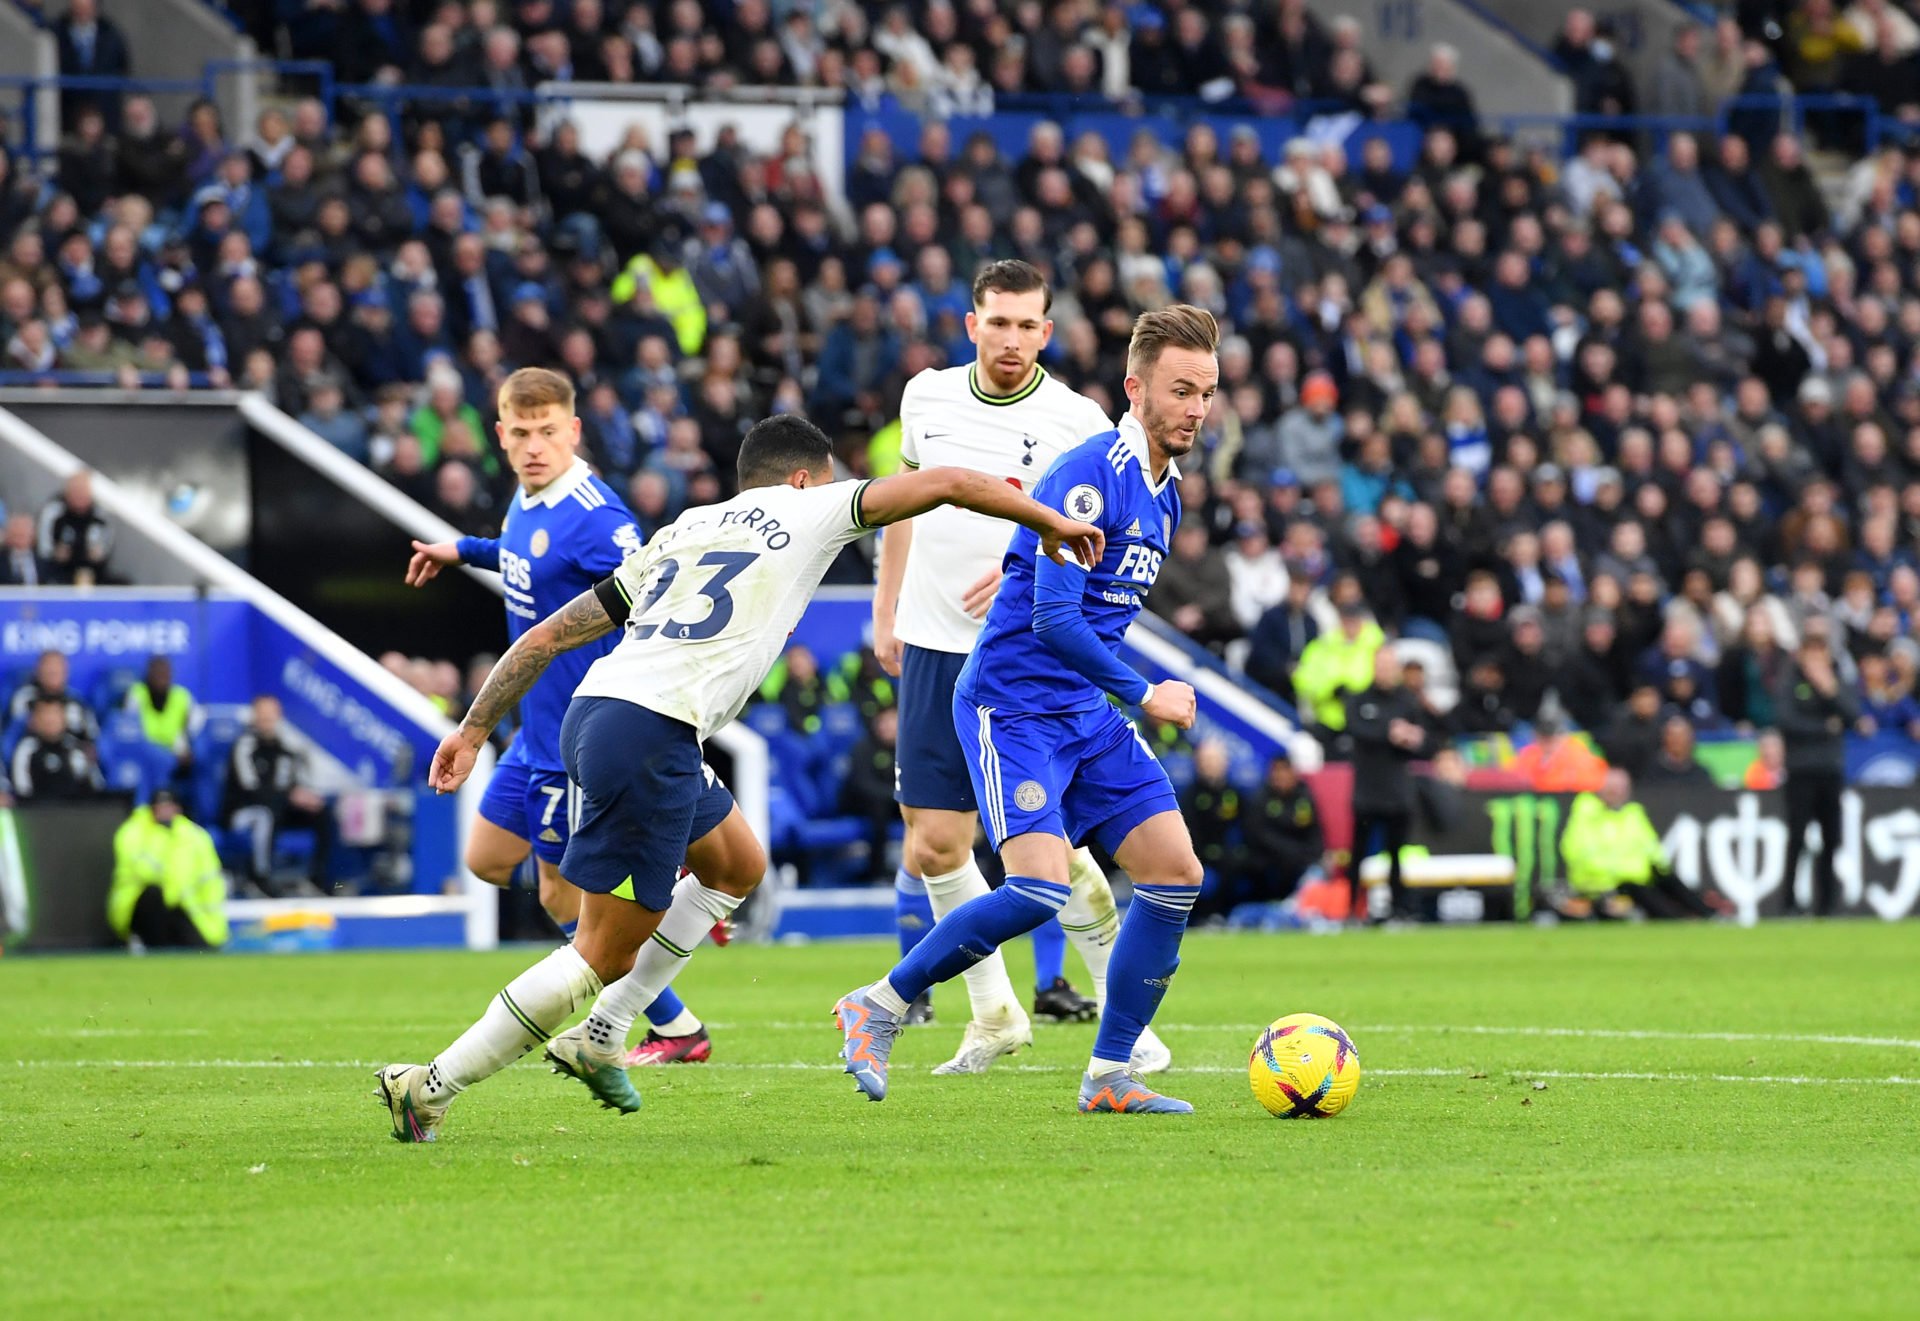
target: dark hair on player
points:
(1011, 277)
(778, 447)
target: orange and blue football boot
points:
(870, 1031)
(1124, 1094)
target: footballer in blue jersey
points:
(565, 530)
(1054, 761)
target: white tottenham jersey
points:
(714, 595)
(946, 422)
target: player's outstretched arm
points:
(888, 575)
(578, 622)
(428, 560)
(913, 493)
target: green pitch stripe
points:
(523, 1020)
(672, 948)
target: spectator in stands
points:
(1194, 592)
(1751, 671)
(1814, 711)
(89, 46)
(1438, 97)
(867, 792)
(169, 717)
(1558, 762)
(72, 535)
(1388, 731)
(1673, 764)
(1334, 667)
(1278, 639)
(1282, 835)
(1615, 861)
(21, 564)
(328, 417)
(50, 684)
(1309, 436)
(1887, 702)
(799, 687)
(168, 890)
(1678, 89)
(1768, 769)
(1212, 805)
(50, 763)
(1585, 49)
(268, 790)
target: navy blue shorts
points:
(531, 804)
(641, 795)
(1080, 774)
(930, 770)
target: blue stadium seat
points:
(767, 719)
(110, 690)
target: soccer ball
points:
(1304, 1067)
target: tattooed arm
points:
(578, 622)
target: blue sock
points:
(1049, 954)
(665, 1008)
(1144, 957)
(912, 911)
(568, 928)
(974, 930)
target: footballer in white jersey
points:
(1002, 415)
(706, 608)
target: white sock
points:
(989, 989)
(883, 994)
(694, 910)
(683, 1024)
(534, 1004)
(1090, 919)
(1100, 1068)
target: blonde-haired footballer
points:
(565, 530)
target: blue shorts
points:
(930, 769)
(529, 803)
(641, 795)
(1081, 774)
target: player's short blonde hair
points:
(533, 388)
(1179, 326)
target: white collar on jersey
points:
(1134, 437)
(560, 487)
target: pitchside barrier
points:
(1730, 841)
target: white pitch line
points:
(802, 1066)
(1444, 1029)
(1646, 1034)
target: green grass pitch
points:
(1729, 1126)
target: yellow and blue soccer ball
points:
(1304, 1067)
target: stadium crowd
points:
(1611, 432)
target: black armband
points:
(612, 595)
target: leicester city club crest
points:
(540, 542)
(1030, 797)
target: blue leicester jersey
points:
(554, 546)
(1016, 665)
